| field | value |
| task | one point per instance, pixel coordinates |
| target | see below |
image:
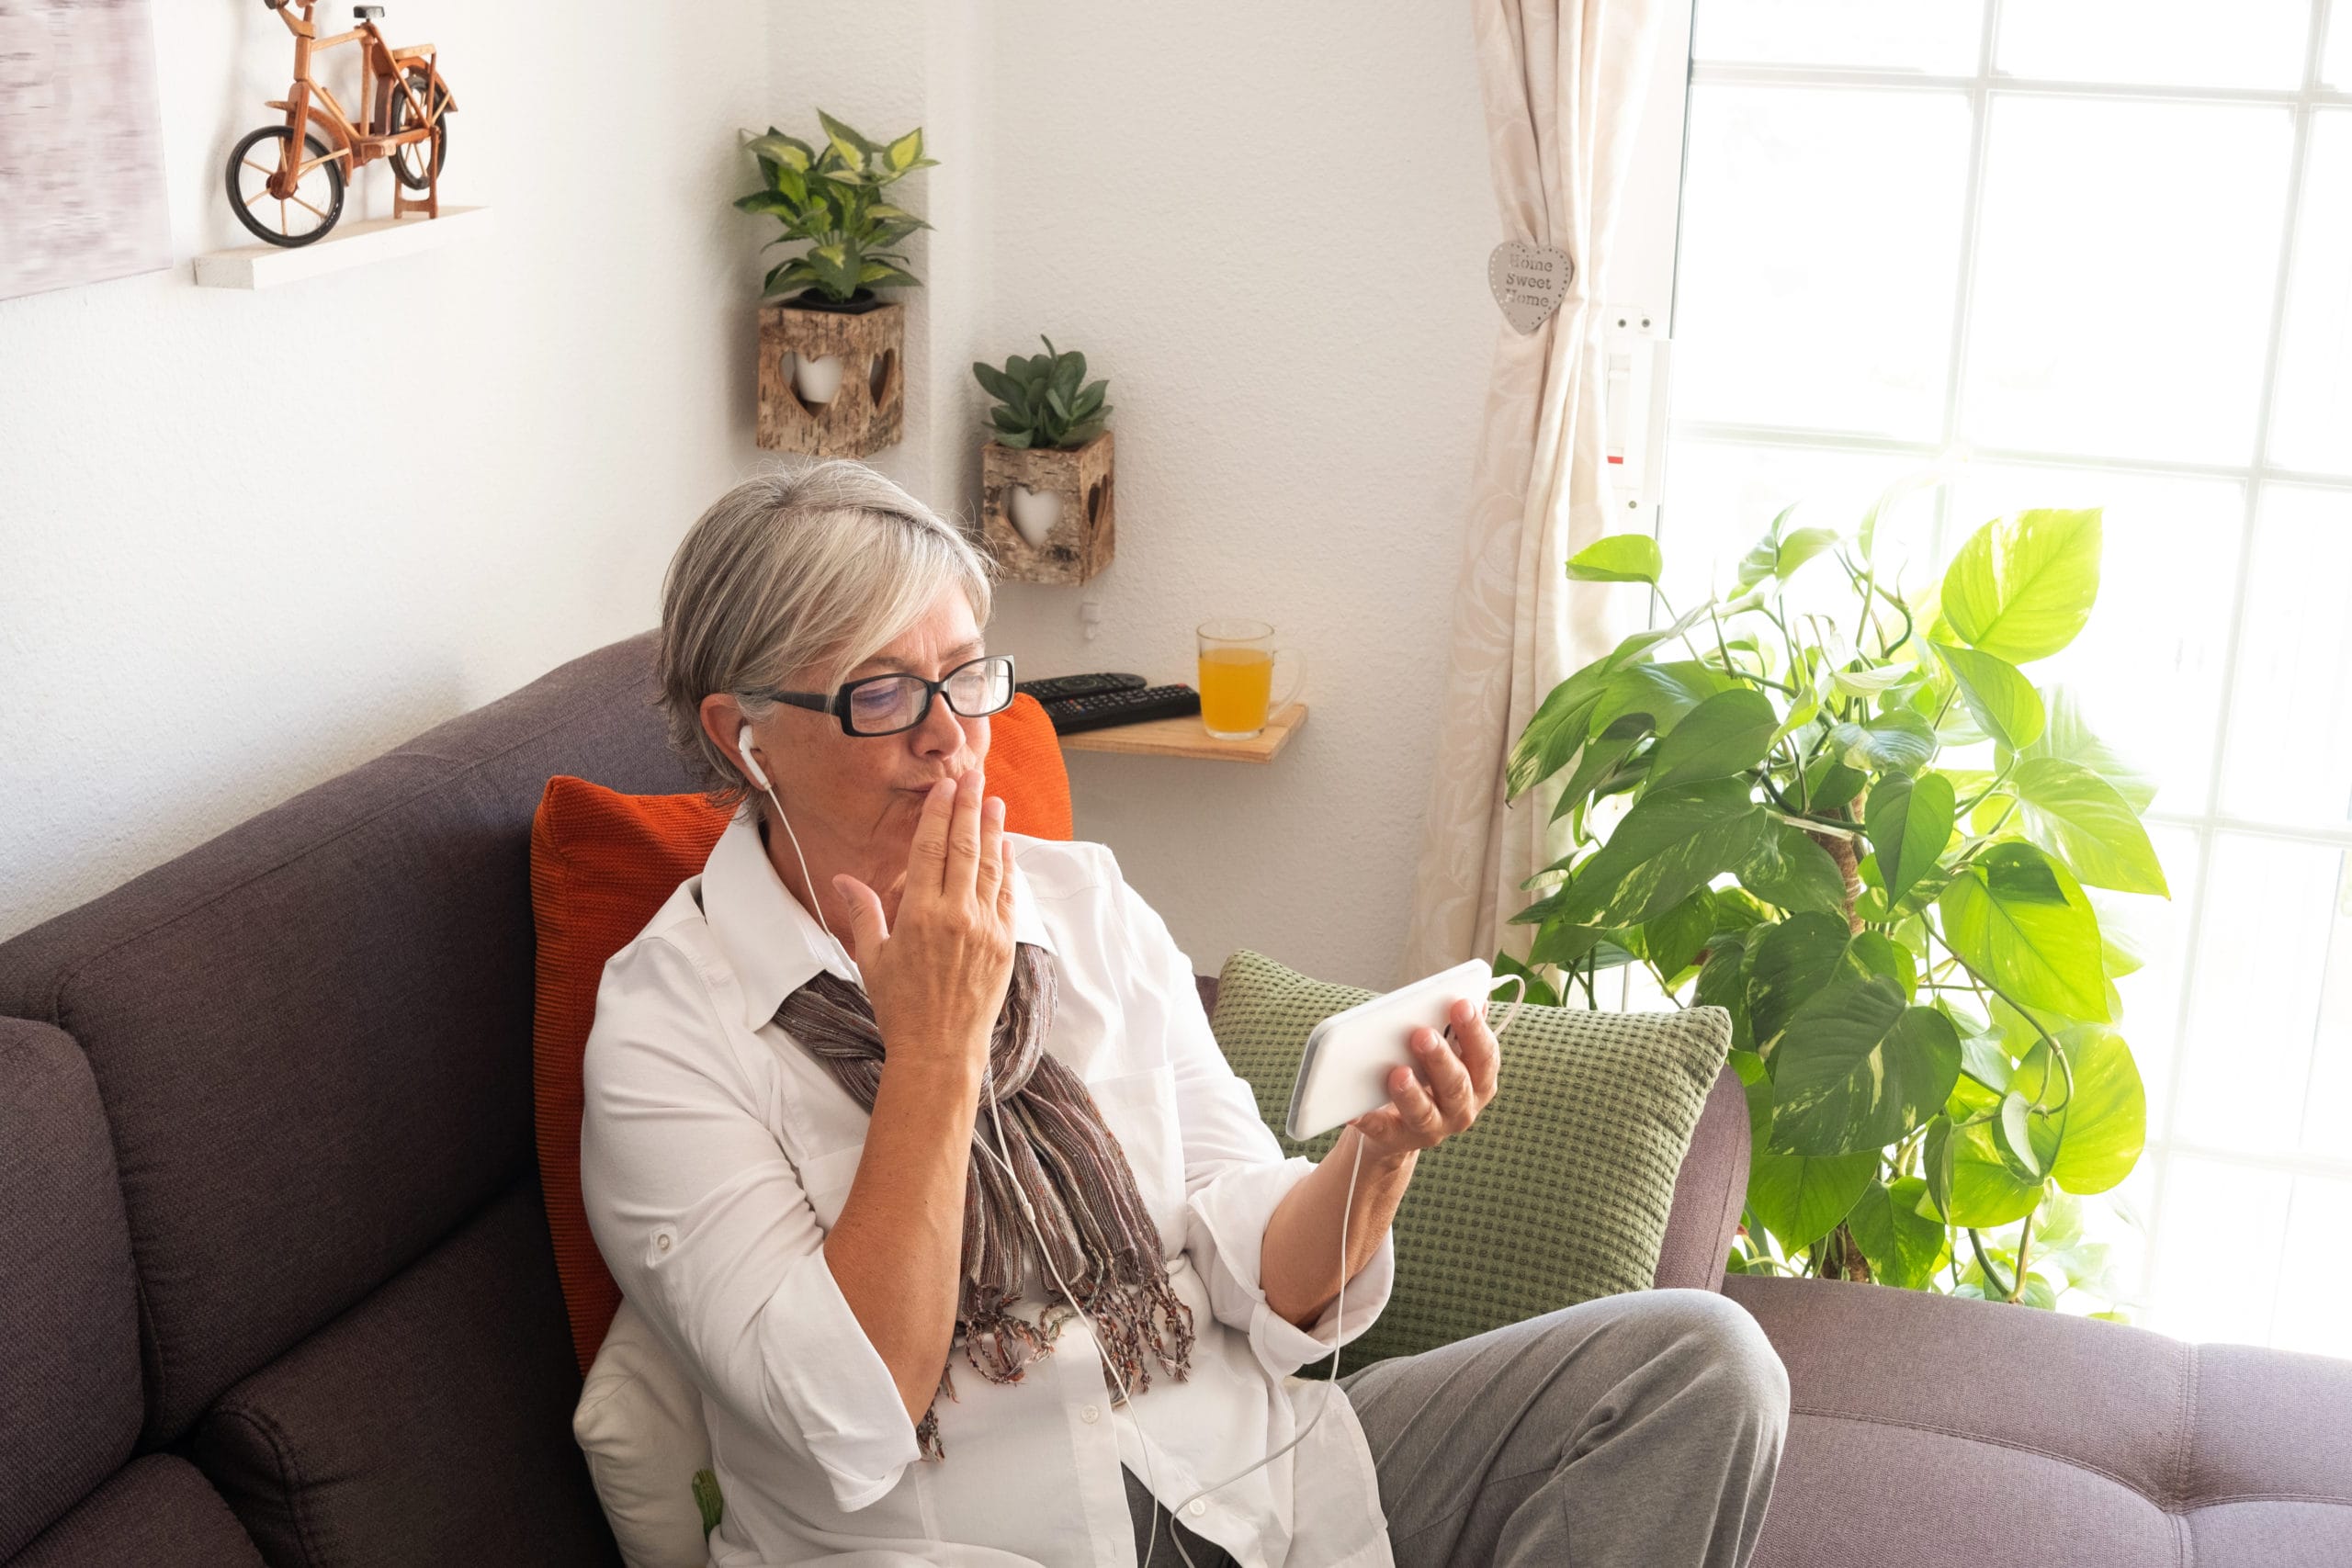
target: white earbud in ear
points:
(744, 749)
(760, 780)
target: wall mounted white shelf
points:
(351, 245)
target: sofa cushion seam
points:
(289, 1472)
(2181, 1548)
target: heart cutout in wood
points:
(1528, 282)
(1034, 512)
(814, 382)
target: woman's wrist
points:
(953, 1072)
(1379, 1161)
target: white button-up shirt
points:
(716, 1154)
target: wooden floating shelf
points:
(1184, 736)
(350, 244)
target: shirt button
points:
(662, 1241)
(1091, 1415)
(1196, 1507)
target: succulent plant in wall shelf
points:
(1040, 400)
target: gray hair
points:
(820, 566)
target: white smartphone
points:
(1343, 1071)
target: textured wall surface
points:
(1267, 226)
(250, 539)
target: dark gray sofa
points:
(279, 1287)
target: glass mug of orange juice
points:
(1238, 677)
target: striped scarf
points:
(1101, 1236)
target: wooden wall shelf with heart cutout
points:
(1049, 514)
(867, 350)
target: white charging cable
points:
(1127, 1395)
(1338, 1319)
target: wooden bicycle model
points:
(287, 185)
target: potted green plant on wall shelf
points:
(831, 348)
(1868, 836)
(1048, 507)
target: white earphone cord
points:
(1338, 1319)
(1005, 1162)
(1126, 1396)
(743, 749)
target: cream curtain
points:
(1562, 81)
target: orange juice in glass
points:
(1236, 670)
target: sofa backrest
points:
(312, 1033)
(310, 1039)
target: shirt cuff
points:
(835, 1385)
(1226, 1229)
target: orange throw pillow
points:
(602, 863)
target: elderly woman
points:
(908, 1136)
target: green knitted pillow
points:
(1558, 1192)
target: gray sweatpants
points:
(1636, 1429)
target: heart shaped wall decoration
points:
(1529, 281)
(1035, 512)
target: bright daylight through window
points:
(2088, 254)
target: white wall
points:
(1267, 226)
(250, 540)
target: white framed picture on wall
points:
(80, 145)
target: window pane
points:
(2148, 667)
(1942, 38)
(2289, 756)
(2175, 42)
(1721, 496)
(2272, 915)
(2125, 271)
(2335, 67)
(2117, 1219)
(2219, 1235)
(2155, 929)
(2327, 1109)
(2315, 1278)
(2310, 423)
(1819, 252)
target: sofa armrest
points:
(1709, 1192)
(1933, 1421)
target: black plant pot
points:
(857, 304)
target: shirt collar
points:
(775, 944)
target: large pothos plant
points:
(1866, 835)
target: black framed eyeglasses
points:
(885, 704)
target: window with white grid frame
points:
(2093, 253)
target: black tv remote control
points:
(1133, 706)
(1059, 688)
